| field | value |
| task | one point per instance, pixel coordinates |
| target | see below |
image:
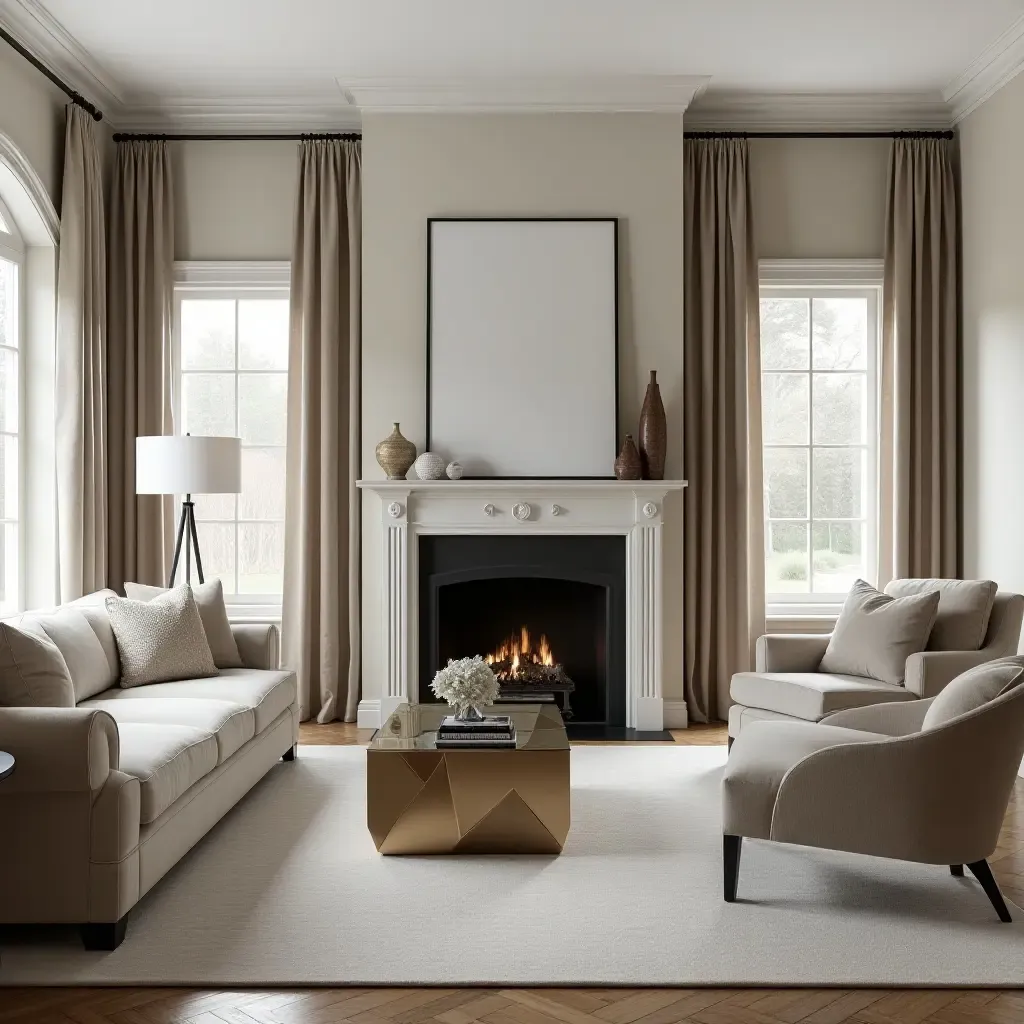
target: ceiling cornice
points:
(783, 112)
(251, 114)
(997, 65)
(521, 94)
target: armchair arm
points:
(790, 652)
(258, 643)
(895, 718)
(928, 673)
(58, 750)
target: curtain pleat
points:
(919, 457)
(81, 357)
(320, 626)
(140, 305)
(723, 529)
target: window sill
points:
(239, 613)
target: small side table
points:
(6, 764)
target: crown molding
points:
(245, 114)
(581, 94)
(997, 65)
(737, 111)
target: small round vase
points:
(396, 454)
(454, 470)
(468, 713)
(429, 466)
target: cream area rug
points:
(289, 890)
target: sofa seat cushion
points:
(760, 757)
(267, 692)
(811, 695)
(231, 724)
(166, 759)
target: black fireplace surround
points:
(475, 591)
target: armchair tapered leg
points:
(731, 848)
(956, 870)
(983, 873)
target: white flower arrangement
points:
(466, 683)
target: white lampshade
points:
(188, 465)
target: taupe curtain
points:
(81, 372)
(919, 464)
(723, 529)
(141, 296)
(320, 627)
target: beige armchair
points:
(888, 780)
(786, 685)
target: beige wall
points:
(992, 163)
(234, 200)
(414, 167)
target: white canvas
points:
(523, 346)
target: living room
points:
(510, 512)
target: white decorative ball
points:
(429, 466)
(454, 470)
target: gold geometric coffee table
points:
(421, 800)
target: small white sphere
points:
(454, 470)
(429, 466)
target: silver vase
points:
(468, 714)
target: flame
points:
(518, 650)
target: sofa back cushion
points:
(974, 688)
(33, 672)
(875, 634)
(965, 607)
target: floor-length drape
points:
(141, 296)
(81, 365)
(919, 461)
(723, 596)
(320, 627)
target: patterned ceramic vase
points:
(454, 470)
(653, 432)
(396, 454)
(429, 466)
(627, 465)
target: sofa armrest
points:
(895, 718)
(928, 673)
(258, 643)
(58, 750)
(790, 652)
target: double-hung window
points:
(12, 262)
(819, 357)
(231, 370)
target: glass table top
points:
(414, 727)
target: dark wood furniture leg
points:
(983, 873)
(289, 754)
(104, 936)
(731, 847)
(956, 870)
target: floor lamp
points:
(187, 465)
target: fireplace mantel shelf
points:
(492, 484)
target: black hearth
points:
(479, 593)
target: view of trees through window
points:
(234, 382)
(9, 423)
(817, 370)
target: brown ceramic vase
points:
(653, 432)
(627, 465)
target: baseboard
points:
(676, 715)
(368, 715)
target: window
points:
(231, 350)
(11, 301)
(819, 343)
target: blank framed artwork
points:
(522, 345)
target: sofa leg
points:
(104, 936)
(731, 847)
(956, 870)
(729, 745)
(983, 873)
(289, 754)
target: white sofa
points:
(107, 796)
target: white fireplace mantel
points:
(631, 508)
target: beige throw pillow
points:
(160, 640)
(965, 606)
(33, 672)
(973, 688)
(212, 610)
(875, 634)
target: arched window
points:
(12, 343)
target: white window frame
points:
(829, 279)
(224, 279)
(12, 248)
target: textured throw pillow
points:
(875, 634)
(210, 601)
(160, 640)
(973, 688)
(33, 672)
(965, 606)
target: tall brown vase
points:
(653, 432)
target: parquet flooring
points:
(541, 1006)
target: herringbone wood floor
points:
(541, 1006)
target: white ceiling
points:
(147, 52)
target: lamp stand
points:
(187, 522)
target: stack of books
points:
(494, 731)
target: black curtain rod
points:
(820, 135)
(76, 98)
(199, 137)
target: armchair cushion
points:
(875, 634)
(965, 607)
(972, 689)
(811, 695)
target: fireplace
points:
(544, 610)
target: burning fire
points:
(520, 650)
